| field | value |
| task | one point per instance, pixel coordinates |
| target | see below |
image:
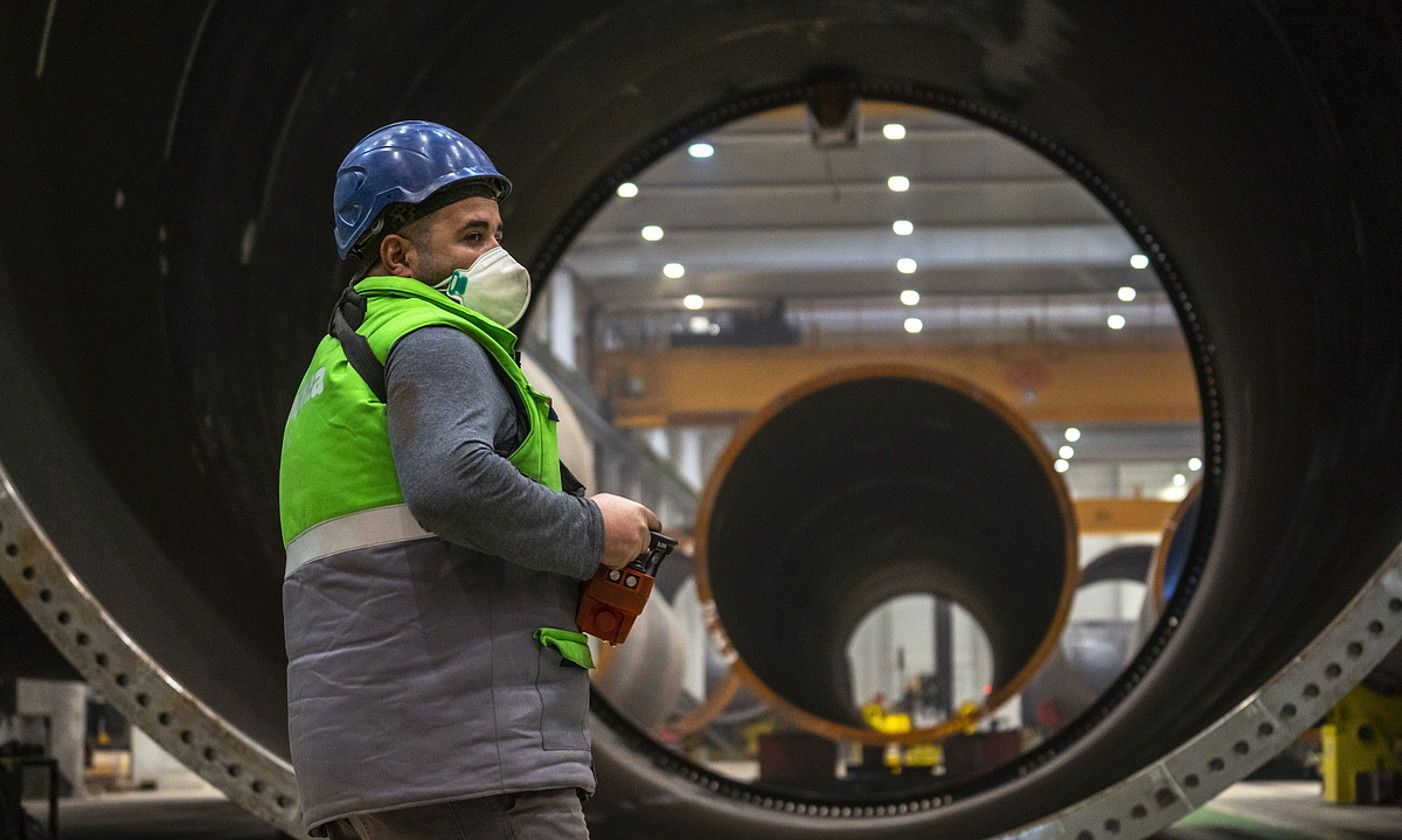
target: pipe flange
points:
(112, 662)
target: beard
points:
(433, 271)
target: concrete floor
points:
(184, 815)
(1285, 811)
(1265, 810)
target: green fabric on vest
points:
(336, 457)
(571, 644)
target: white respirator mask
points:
(495, 285)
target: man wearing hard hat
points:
(437, 682)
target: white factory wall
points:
(153, 766)
(64, 704)
(896, 641)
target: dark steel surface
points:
(1123, 563)
(23, 648)
(157, 308)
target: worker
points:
(437, 682)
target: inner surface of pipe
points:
(871, 484)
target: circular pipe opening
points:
(902, 656)
(868, 484)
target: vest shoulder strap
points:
(345, 318)
(349, 314)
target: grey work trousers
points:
(530, 815)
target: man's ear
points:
(398, 255)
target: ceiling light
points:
(693, 301)
(701, 150)
(1194, 464)
(914, 325)
(1062, 465)
(652, 233)
(1179, 479)
(1073, 434)
(1066, 452)
(902, 227)
(898, 183)
(1127, 293)
(699, 324)
(1115, 322)
(1139, 261)
(893, 131)
(627, 189)
(674, 270)
(910, 297)
(905, 265)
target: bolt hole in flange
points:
(74, 626)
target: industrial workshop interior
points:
(1017, 385)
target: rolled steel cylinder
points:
(1070, 681)
(1125, 563)
(166, 268)
(868, 484)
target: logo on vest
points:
(311, 386)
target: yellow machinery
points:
(915, 755)
(1363, 733)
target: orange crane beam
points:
(1063, 384)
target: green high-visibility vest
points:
(336, 457)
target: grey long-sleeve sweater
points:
(452, 425)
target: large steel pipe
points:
(1080, 668)
(165, 269)
(865, 485)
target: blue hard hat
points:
(404, 162)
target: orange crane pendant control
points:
(614, 598)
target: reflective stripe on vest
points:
(365, 529)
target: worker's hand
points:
(626, 526)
